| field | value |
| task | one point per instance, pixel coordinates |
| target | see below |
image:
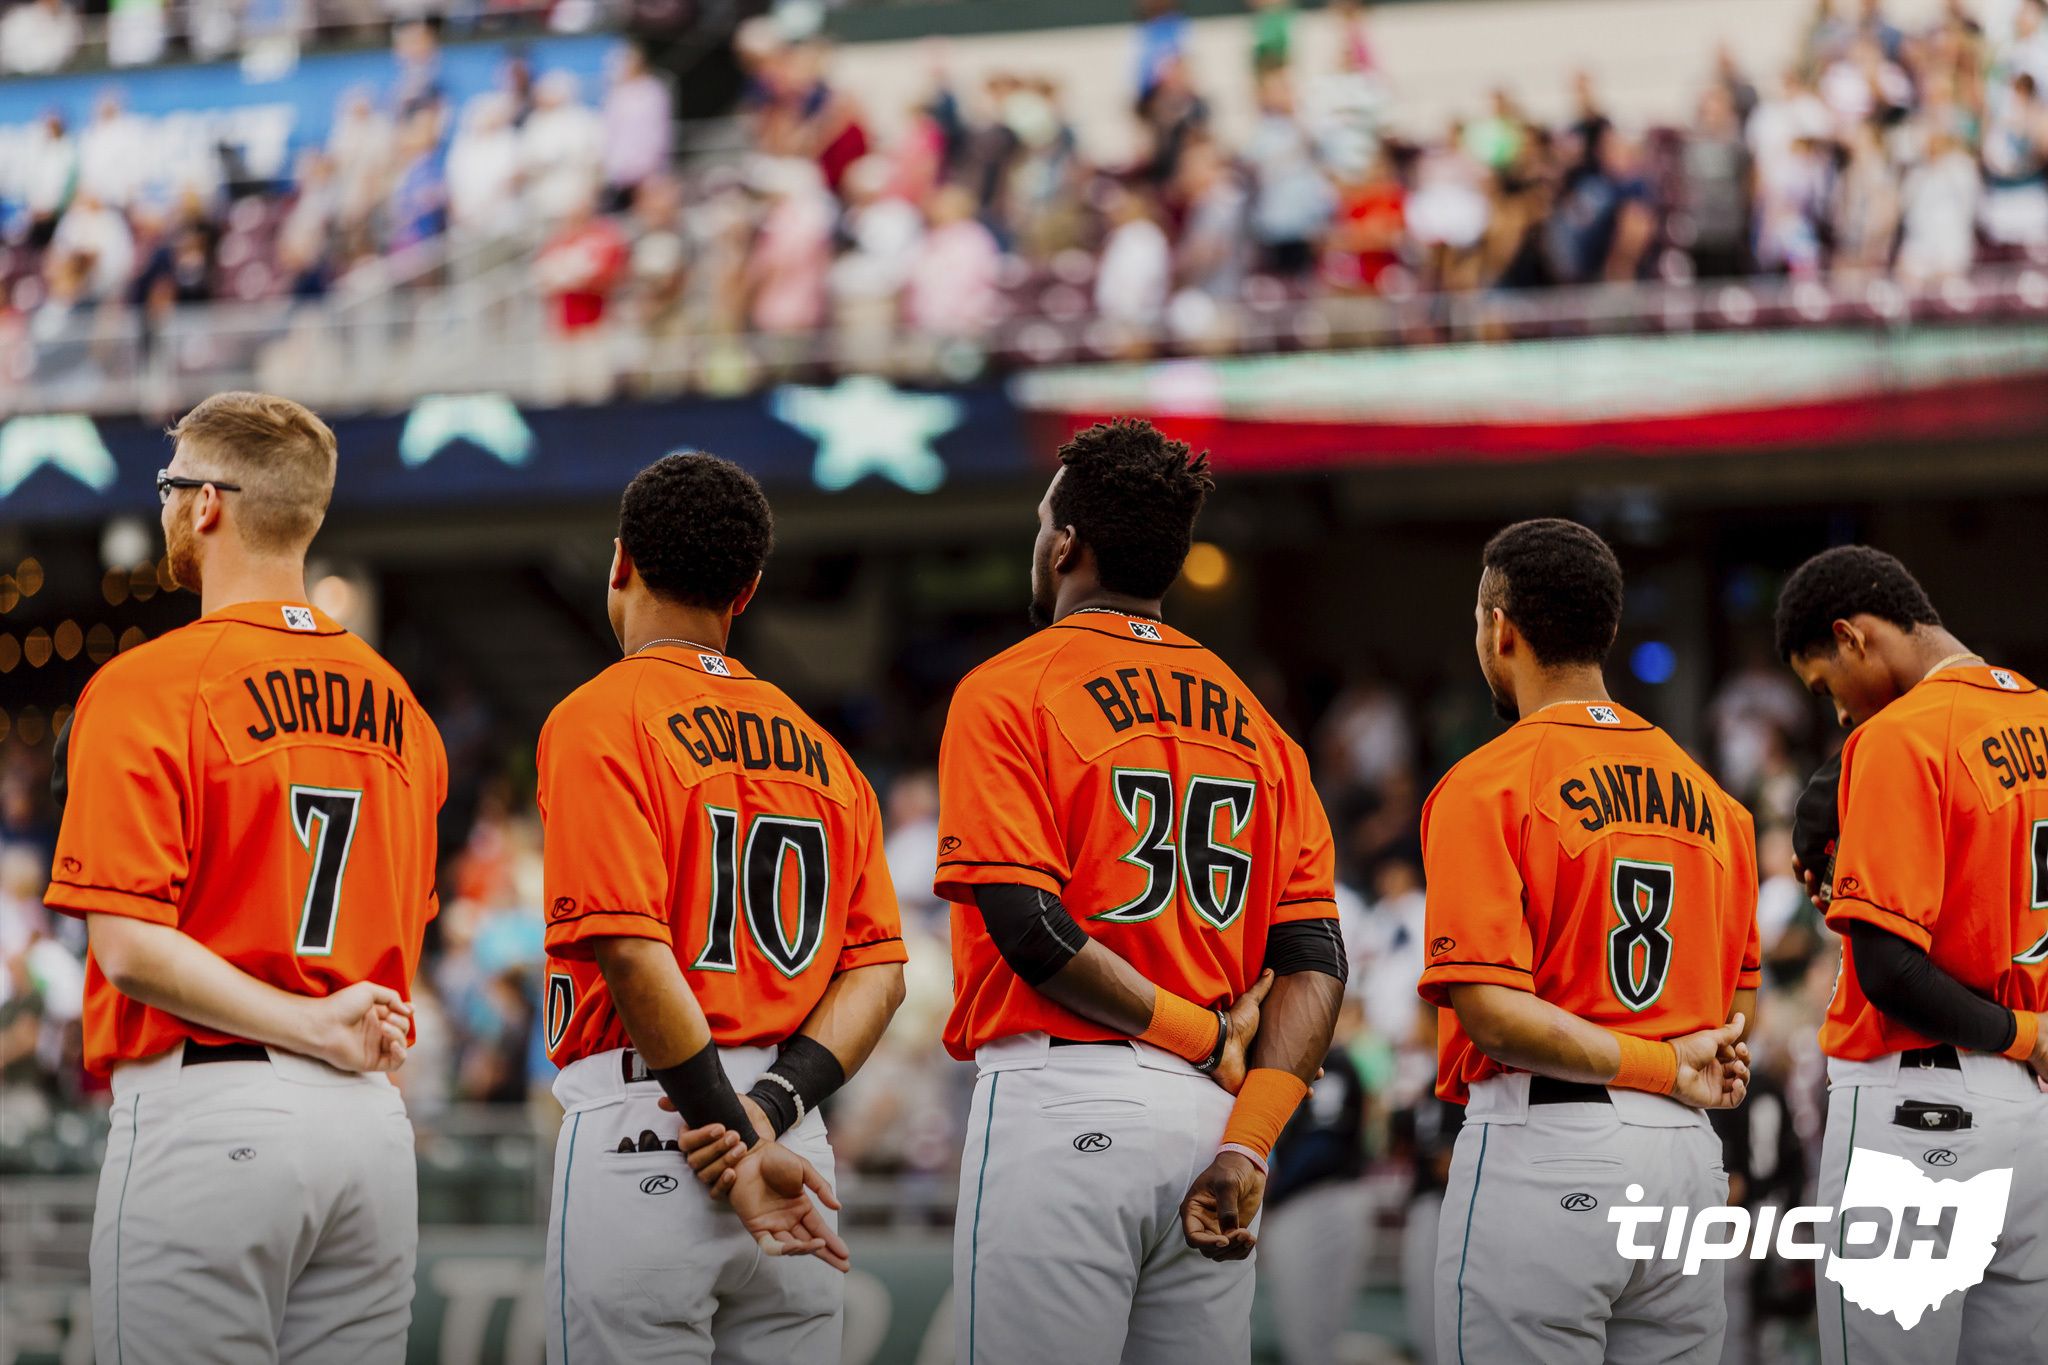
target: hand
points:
(358, 1028)
(1713, 1067)
(1217, 1214)
(1244, 1025)
(2039, 1061)
(1817, 891)
(714, 1150)
(771, 1192)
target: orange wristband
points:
(1646, 1065)
(1182, 1027)
(2026, 1032)
(1264, 1104)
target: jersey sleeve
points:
(604, 871)
(874, 925)
(124, 847)
(996, 817)
(1749, 975)
(1888, 865)
(1310, 890)
(1477, 929)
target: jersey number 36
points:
(1215, 874)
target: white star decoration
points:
(864, 425)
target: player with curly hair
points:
(722, 942)
(1135, 858)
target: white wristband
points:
(1247, 1153)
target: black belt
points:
(1941, 1055)
(1550, 1090)
(1089, 1042)
(200, 1054)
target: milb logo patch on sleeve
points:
(1603, 715)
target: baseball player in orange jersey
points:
(249, 834)
(1592, 949)
(719, 917)
(1135, 858)
(1940, 885)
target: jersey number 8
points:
(1639, 948)
(1216, 875)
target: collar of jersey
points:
(691, 657)
(1117, 626)
(270, 616)
(1979, 675)
(1573, 713)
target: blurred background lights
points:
(1207, 567)
(1652, 662)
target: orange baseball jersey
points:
(1585, 857)
(1944, 807)
(690, 802)
(262, 780)
(1112, 761)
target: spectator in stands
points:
(305, 237)
(1171, 114)
(1866, 84)
(49, 177)
(1716, 174)
(1446, 214)
(113, 157)
(417, 52)
(1135, 273)
(418, 211)
(639, 116)
(1212, 255)
(1291, 199)
(361, 147)
(659, 268)
(135, 32)
(561, 149)
(1939, 213)
(1603, 223)
(883, 232)
(486, 203)
(1162, 43)
(952, 276)
(1866, 208)
(95, 237)
(792, 253)
(38, 36)
(2016, 167)
(579, 267)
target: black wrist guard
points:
(803, 1075)
(702, 1094)
(1215, 1058)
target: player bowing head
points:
(1592, 951)
(1939, 884)
(1134, 857)
(722, 941)
(249, 833)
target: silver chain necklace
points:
(1112, 611)
(672, 640)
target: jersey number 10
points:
(753, 880)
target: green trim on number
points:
(1478, 1169)
(974, 1238)
(562, 1252)
(1841, 1223)
(120, 1214)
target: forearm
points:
(1295, 1026)
(1744, 1004)
(1904, 983)
(855, 1011)
(167, 969)
(1104, 989)
(1518, 1030)
(654, 1000)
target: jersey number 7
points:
(333, 810)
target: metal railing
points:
(384, 347)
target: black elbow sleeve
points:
(1308, 945)
(1031, 929)
(1905, 984)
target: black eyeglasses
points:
(166, 481)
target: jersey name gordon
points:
(307, 702)
(714, 735)
(1204, 705)
(1636, 794)
(2018, 753)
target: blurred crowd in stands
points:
(1880, 152)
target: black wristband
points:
(1215, 1058)
(806, 1072)
(703, 1095)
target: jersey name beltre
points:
(1636, 794)
(1139, 696)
